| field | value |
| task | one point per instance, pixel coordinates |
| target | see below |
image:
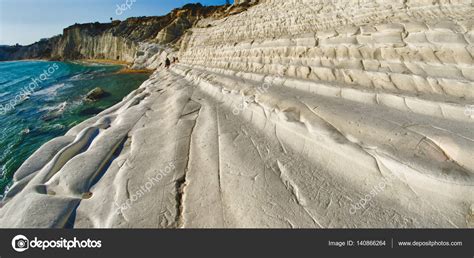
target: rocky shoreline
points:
(286, 114)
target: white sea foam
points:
(52, 90)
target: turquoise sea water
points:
(41, 100)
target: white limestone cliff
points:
(295, 113)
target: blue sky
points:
(27, 21)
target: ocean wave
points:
(82, 76)
(76, 103)
(14, 101)
(60, 106)
(51, 90)
(13, 82)
(4, 93)
(53, 127)
(54, 111)
(3, 170)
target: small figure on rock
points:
(167, 63)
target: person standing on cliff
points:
(167, 63)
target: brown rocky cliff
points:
(117, 40)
